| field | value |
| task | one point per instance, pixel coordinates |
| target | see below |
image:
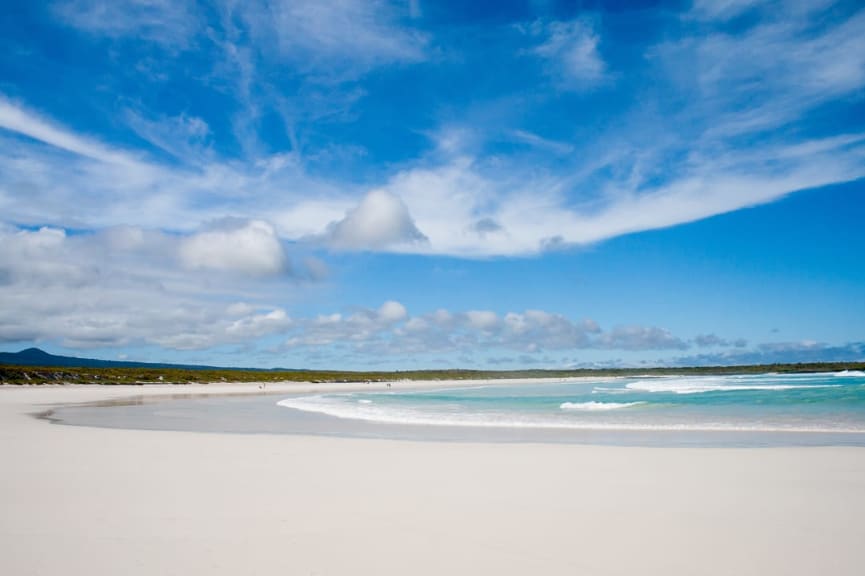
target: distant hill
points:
(37, 357)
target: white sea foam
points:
(608, 390)
(596, 406)
(850, 374)
(364, 401)
(697, 386)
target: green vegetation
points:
(115, 375)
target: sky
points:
(372, 184)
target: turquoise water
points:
(830, 402)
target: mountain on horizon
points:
(38, 357)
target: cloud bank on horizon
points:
(192, 175)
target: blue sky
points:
(368, 184)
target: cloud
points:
(725, 142)
(15, 118)
(640, 338)
(184, 136)
(392, 331)
(571, 48)
(365, 33)
(232, 245)
(168, 23)
(803, 351)
(47, 177)
(709, 341)
(392, 311)
(721, 9)
(380, 221)
(769, 73)
(544, 144)
(483, 320)
(118, 287)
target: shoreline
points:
(98, 501)
(272, 412)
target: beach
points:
(81, 500)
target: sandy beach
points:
(89, 501)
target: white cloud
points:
(380, 221)
(483, 320)
(725, 10)
(778, 352)
(16, 118)
(459, 205)
(392, 311)
(78, 182)
(117, 288)
(572, 50)
(640, 338)
(169, 23)
(459, 199)
(721, 9)
(362, 31)
(184, 136)
(247, 246)
(770, 73)
(390, 330)
(258, 325)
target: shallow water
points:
(761, 410)
(758, 403)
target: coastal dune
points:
(90, 501)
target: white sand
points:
(87, 501)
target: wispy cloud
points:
(321, 35)
(571, 50)
(467, 201)
(171, 24)
(16, 118)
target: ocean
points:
(830, 402)
(825, 409)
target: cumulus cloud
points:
(709, 340)
(715, 341)
(391, 330)
(233, 245)
(117, 288)
(779, 352)
(380, 221)
(483, 320)
(640, 338)
(392, 311)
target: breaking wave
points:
(697, 386)
(597, 406)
